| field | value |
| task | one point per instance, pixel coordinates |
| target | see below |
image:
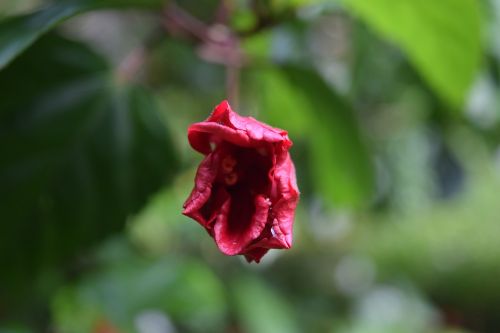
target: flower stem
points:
(217, 42)
(233, 84)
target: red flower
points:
(245, 190)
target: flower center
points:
(244, 167)
(231, 178)
(228, 164)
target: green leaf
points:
(79, 154)
(441, 38)
(300, 101)
(18, 33)
(14, 329)
(281, 102)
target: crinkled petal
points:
(256, 254)
(205, 175)
(255, 213)
(233, 239)
(226, 125)
(284, 208)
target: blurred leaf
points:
(14, 329)
(441, 38)
(341, 167)
(19, 32)
(243, 19)
(159, 227)
(81, 153)
(373, 311)
(258, 46)
(451, 250)
(185, 291)
(204, 10)
(175, 63)
(195, 281)
(261, 309)
(12, 7)
(281, 104)
(280, 5)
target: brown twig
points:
(223, 12)
(233, 85)
(218, 44)
(182, 19)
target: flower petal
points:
(232, 236)
(256, 254)
(245, 191)
(284, 208)
(226, 125)
(205, 176)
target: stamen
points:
(231, 178)
(262, 151)
(228, 164)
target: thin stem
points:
(233, 84)
(223, 11)
(218, 44)
(186, 21)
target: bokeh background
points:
(393, 107)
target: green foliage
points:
(16, 329)
(18, 33)
(441, 38)
(81, 152)
(284, 103)
(451, 249)
(260, 308)
(165, 285)
(306, 105)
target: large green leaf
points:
(18, 33)
(299, 100)
(441, 38)
(79, 153)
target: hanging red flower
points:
(245, 191)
